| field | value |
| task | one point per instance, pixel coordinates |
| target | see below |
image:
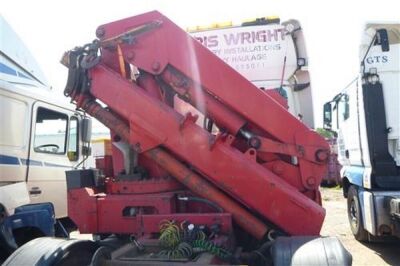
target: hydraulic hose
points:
(206, 201)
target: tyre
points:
(46, 251)
(309, 250)
(355, 215)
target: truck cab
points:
(41, 137)
(366, 118)
(269, 53)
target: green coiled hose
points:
(212, 248)
(178, 242)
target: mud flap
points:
(309, 250)
(40, 216)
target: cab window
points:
(50, 131)
(73, 139)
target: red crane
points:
(254, 178)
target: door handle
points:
(35, 191)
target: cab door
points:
(53, 150)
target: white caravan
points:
(41, 136)
(366, 117)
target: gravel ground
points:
(336, 224)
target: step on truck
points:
(41, 135)
(366, 118)
(179, 193)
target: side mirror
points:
(86, 129)
(383, 39)
(346, 113)
(327, 115)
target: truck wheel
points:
(46, 251)
(355, 216)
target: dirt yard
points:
(336, 224)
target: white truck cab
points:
(41, 136)
(366, 117)
(271, 54)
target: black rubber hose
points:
(206, 201)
